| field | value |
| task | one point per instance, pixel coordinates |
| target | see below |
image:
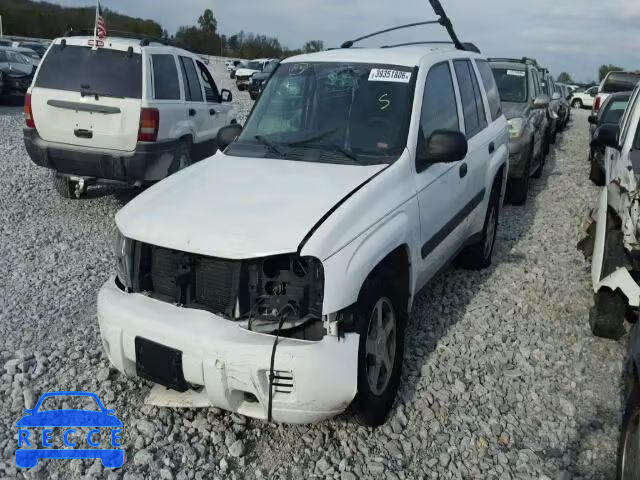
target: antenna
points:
(443, 20)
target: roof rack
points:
(524, 60)
(443, 20)
(145, 40)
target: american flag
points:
(101, 25)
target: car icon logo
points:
(32, 447)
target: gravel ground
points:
(502, 377)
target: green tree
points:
(605, 69)
(208, 22)
(564, 77)
(313, 46)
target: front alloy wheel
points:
(381, 346)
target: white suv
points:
(131, 110)
(276, 278)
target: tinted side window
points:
(474, 119)
(193, 90)
(536, 83)
(439, 107)
(489, 82)
(165, 78)
(210, 89)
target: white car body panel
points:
(350, 217)
(585, 97)
(238, 208)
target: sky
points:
(576, 36)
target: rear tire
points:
(478, 256)
(381, 324)
(182, 158)
(540, 169)
(65, 187)
(607, 316)
(577, 103)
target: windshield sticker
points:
(516, 73)
(384, 75)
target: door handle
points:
(463, 170)
(492, 147)
(192, 112)
(82, 133)
(212, 111)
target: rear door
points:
(166, 94)
(481, 140)
(90, 98)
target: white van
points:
(134, 110)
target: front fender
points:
(346, 271)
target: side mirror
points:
(556, 96)
(443, 146)
(593, 94)
(227, 135)
(593, 119)
(606, 136)
(541, 102)
(226, 95)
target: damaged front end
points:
(280, 294)
(613, 244)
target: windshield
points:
(512, 84)
(103, 71)
(254, 65)
(345, 110)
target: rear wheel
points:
(381, 325)
(577, 103)
(65, 187)
(478, 256)
(182, 158)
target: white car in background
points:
(244, 74)
(584, 99)
(615, 82)
(134, 111)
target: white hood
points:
(237, 207)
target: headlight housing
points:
(516, 127)
(123, 249)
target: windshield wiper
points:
(270, 145)
(347, 152)
(315, 138)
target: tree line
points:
(28, 18)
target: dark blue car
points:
(104, 419)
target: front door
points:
(441, 188)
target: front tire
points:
(381, 324)
(478, 256)
(518, 188)
(596, 175)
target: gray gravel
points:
(502, 377)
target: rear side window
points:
(166, 85)
(474, 116)
(193, 90)
(489, 82)
(103, 71)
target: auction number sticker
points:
(516, 73)
(384, 75)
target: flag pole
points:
(95, 27)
